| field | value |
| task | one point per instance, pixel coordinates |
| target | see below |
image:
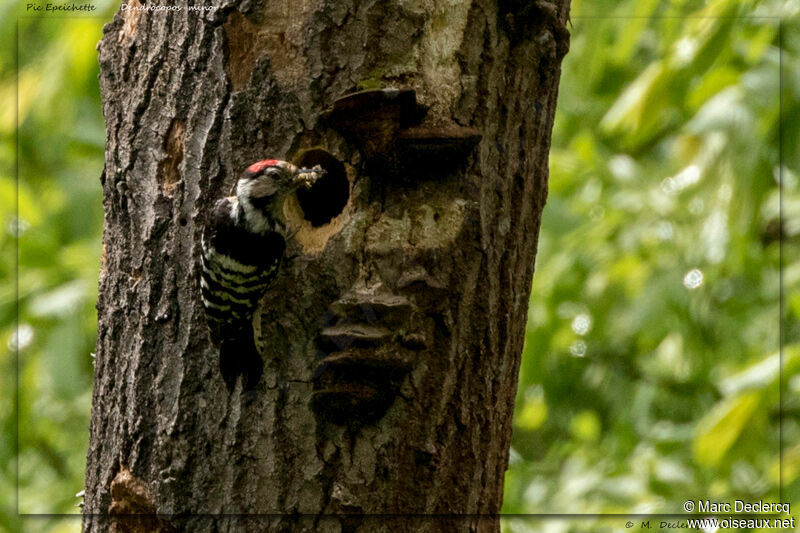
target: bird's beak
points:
(306, 177)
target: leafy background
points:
(651, 368)
(51, 224)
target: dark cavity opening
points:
(327, 198)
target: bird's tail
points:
(238, 356)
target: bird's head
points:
(264, 185)
(272, 177)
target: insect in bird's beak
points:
(306, 177)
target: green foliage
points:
(51, 227)
(651, 367)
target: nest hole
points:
(327, 198)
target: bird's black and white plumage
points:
(243, 243)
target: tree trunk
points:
(391, 338)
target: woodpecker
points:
(243, 243)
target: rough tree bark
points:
(392, 337)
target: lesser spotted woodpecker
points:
(243, 243)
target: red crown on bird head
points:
(261, 165)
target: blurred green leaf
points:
(586, 426)
(533, 415)
(719, 429)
